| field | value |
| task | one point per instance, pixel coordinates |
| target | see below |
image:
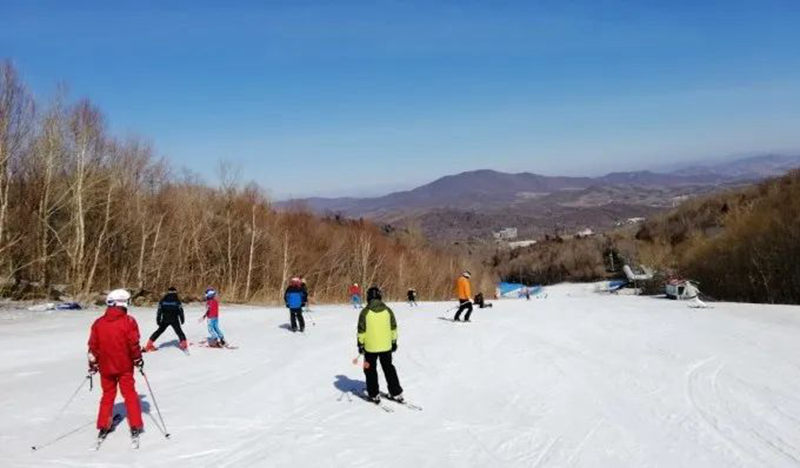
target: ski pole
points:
(155, 403)
(313, 323)
(72, 398)
(62, 436)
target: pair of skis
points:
(204, 344)
(183, 350)
(388, 408)
(114, 423)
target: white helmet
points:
(119, 298)
(467, 274)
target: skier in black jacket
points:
(170, 314)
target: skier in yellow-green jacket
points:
(377, 340)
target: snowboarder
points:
(296, 298)
(412, 297)
(355, 295)
(377, 340)
(480, 302)
(464, 294)
(169, 314)
(114, 350)
(216, 339)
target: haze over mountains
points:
(473, 203)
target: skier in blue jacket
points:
(296, 297)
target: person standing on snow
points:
(480, 302)
(412, 297)
(296, 298)
(114, 350)
(169, 314)
(377, 340)
(464, 294)
(355, 295)
(216, 339)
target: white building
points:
(521, 244)
(508, 233)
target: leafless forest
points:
(82, 212)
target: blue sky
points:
(365, 97)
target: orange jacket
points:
(463, 289)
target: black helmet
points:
(374, 292)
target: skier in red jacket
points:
(113, 351)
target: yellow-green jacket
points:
(377, 327)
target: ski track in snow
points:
(577, 379)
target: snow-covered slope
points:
(576, 379)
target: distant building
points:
(628, 221)
(506, 234)
(521, 244)
(584, 233)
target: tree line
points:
(82, 211)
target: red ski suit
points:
(114, 342)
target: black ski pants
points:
(464, 304)
(295, 317)
(175, 324)
(371, 373)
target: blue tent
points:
(517, 289)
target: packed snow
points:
(573, 379)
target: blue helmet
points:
(210, 292)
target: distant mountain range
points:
(472, 204)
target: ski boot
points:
(135, 433)
(398, 398)
(150, 346)
(222, 343)
(374, 399)
(183, 345)
(103, 433)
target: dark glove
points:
(139, 363)
(93, 367)
(394, 346)
(360, 348)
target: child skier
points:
(464, 294)
(296, 298)
(355, 295)
(377, 340)
(412, 297)
(480, 302)
(169, 314)
(216, 339)
(114, 350)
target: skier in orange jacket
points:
(464, 293)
